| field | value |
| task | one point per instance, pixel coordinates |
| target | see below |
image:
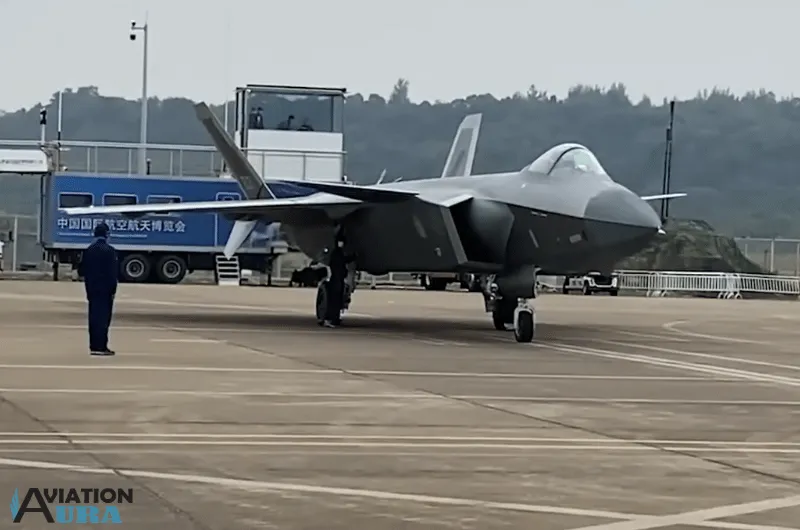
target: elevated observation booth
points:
(292, 131)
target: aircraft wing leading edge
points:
(272, 209)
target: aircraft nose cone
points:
(619, 216)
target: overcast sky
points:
(446, 48)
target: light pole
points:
(143, 120)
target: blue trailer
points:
(152, 248)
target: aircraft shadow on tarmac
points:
(428, 327)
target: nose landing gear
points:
(509, 312)
(524, 321)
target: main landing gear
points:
(325, 296)
(508, 312)
(323, 299)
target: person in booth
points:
(286, 124)
(100, 269)
(251, 118)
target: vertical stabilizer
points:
(462, 152)
(252, 184)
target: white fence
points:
(721, 284)
(724, 285)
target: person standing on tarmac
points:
(336, 284)
(100, 270)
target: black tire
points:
(171, 269)
(524, 328)
(322, 301)
(613, 292)
(436, 284)
(135, 268)
(586, 290)
(502, 315)
(498, 320)
(475, 285)
(322, 304)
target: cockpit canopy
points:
(569, 157)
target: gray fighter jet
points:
(562, 214)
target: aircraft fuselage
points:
(569, 223)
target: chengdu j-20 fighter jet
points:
(562, 214)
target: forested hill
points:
(738, 157)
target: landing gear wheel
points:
(475, 284)
(322, 301)
(503, 315)
(322, 304)
(523, 324)
(436, 284)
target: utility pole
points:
(60, 115)
(665, 181)
(143, 120)
(14, 247)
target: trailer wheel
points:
(171, 269)
(135, 268)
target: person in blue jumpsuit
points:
(100, 270)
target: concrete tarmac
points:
(229, 408)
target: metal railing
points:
(165, 159)
(724, 285)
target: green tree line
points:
(736, 156)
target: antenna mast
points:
(665, 182)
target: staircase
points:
(227, 270)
